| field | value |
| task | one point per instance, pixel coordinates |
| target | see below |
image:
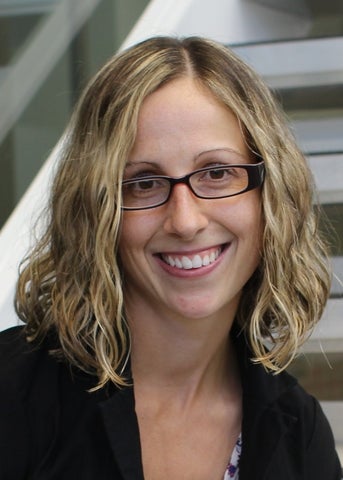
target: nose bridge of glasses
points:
(185, 180)
(185, 214)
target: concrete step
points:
(25, 7)
(294, 63)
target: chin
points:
(201, 309)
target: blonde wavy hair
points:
(71, 282)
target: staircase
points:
(50, 25)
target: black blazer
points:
(51, 428)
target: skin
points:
(180, 319)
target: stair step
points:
(25, 7)
(295, 63)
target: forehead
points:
(177, 96)
(185, 117)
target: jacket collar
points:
(122, 430)
(266, 417)
(258, 385)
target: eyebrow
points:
(143, 162)
(212, 150)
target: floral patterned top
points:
(232, 470)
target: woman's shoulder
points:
(28, 379)
(34, 367)
(20, 359)
(283, 411)
(13, 342)
(29, 386)
(42, 399)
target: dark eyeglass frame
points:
(255, 171)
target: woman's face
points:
(190, 257)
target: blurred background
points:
(50, 48)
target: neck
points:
(187, 356)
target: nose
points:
(185, 213)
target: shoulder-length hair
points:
(72, 281)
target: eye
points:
(220, 181)
(219, 173)
(145, 187)
(145, 184)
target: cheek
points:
(136, 231)
(244, 217)
(247, 225)
(254, 223)
(131, 242)
(255, 227)
(130, 238)
(258, 221)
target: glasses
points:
(209, 183)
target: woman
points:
(181, 242)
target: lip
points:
(190, 272)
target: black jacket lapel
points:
(264, 421)
(121, 426)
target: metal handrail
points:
(27, 74)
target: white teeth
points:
(178, 263)
(206, 260)
(188, 263)
(197, 262)
(171, 261)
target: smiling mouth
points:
(188, 262)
